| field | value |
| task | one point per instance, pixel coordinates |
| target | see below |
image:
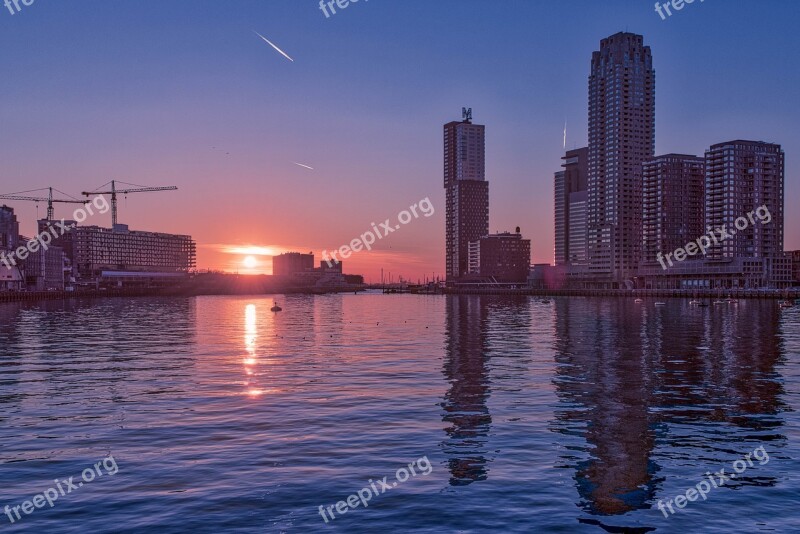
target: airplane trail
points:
(284, 54)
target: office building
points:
(298, 270)
(576, 229)
(502, 257)
(10, 275)
(292, 262)
(673, 204)
(570, 208)
(741, 176)
(744, 183)
(467, 192)
(621, 137)
(120, 256)
(45, 269)
(65, 240)
(9, 229)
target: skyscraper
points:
(467, 192)
(673, 203)
(741, 176)
(621, 137)
(570, 208)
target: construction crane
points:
(49, 199)
(114, 191)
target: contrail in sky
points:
(273, 46)
(306, 166)
(565, 134)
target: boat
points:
(694, 303)
(661, 303)
(786, 304)
(731, 301)
(275, 307)
(638, 301)
(719, 302)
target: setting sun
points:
(250, 262)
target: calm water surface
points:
(574, 416)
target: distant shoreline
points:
(34, 296)
(775, 294)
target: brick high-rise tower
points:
(621, 137)
(467, 210)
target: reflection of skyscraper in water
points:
(602, 378)
(628, 376)
(464, 404)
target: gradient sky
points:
(141, 91)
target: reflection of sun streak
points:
(251, 331)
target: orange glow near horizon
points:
(411, 265)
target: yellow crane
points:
(114, 191)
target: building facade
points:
(794, 256)
(621, 137)
(9, 229)
(299, 271)
(742, 176)
(503, 257)
(292, 262)
(45, 269)
(145, 256)
(673, 204)
(745, 178)
(10, 274)
(466, 191)
(578, 250)
(570, 208)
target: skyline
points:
(150, 111)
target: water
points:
(573, 416)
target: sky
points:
(185, 93)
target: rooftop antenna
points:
(466, 114)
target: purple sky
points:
(141, 92)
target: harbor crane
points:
(114, 191)
(49, 199)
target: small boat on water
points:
(786, 304)
(731, 301)
(661, 303)
(719, 302)
(638, 301)
(694, 303)
(275, 307)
